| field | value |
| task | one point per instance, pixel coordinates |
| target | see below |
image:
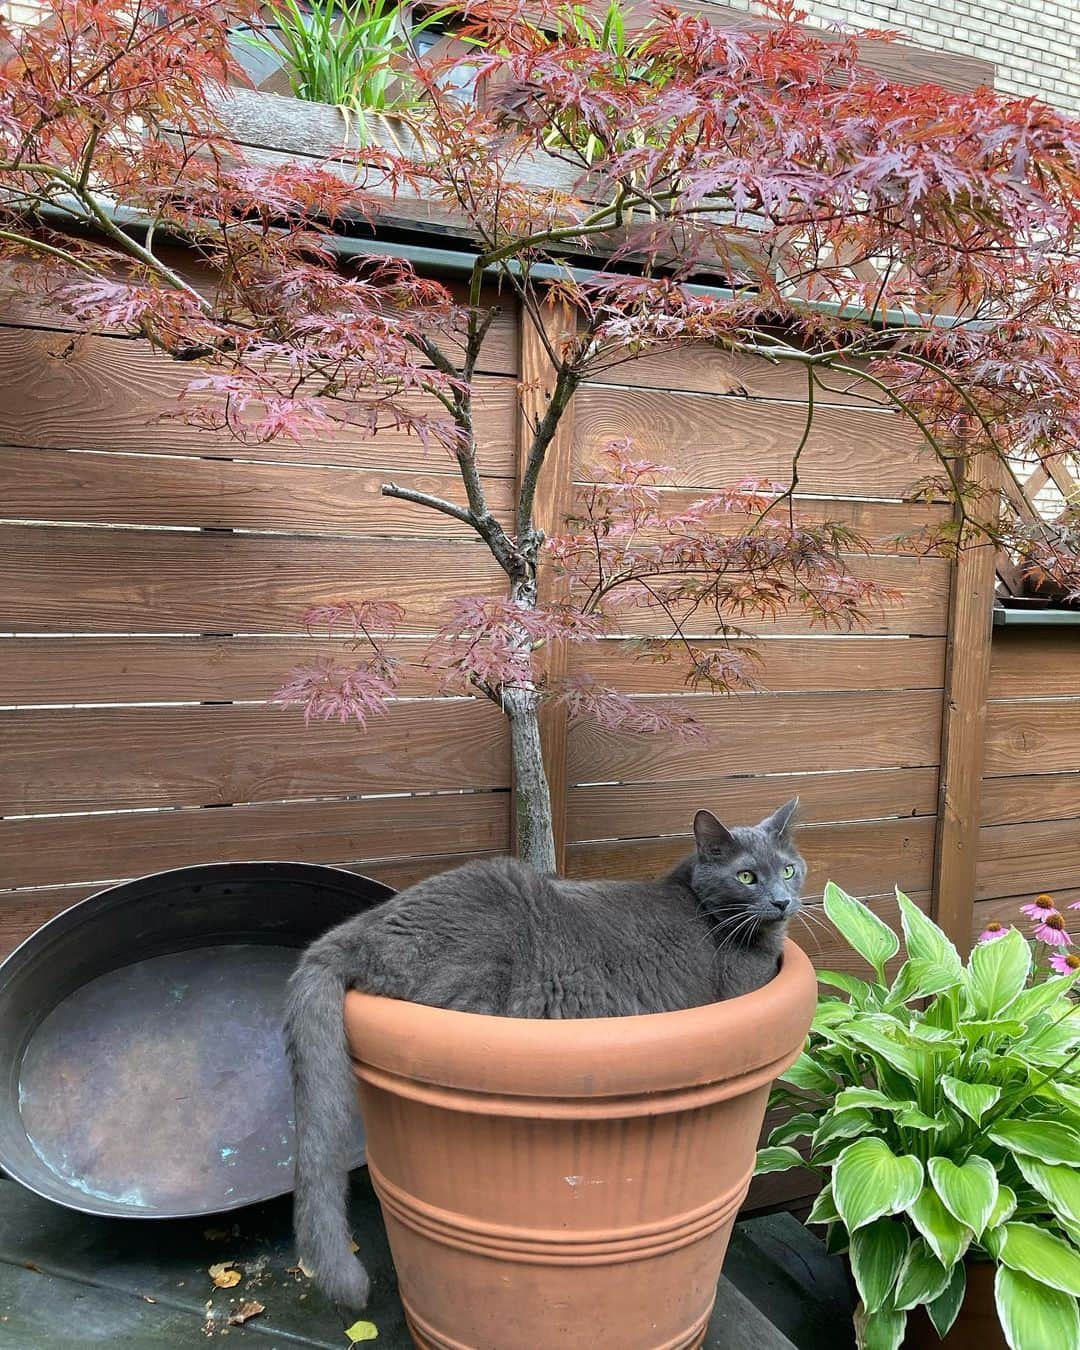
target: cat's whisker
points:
(813, 922)
(748, 921)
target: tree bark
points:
(535, 835)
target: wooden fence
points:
(156, 575)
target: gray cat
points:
(497, 937)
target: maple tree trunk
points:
(535, 835)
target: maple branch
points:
(426, 499)
(39, 246)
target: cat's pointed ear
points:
(709, 834)
(781, 821)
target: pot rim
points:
(590, 1056)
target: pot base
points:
(430, 1339)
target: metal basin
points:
(142, 1067)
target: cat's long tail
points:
(325, 1126)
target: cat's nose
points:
(781, 906)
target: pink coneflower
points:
(993, 931)
(1052, 931)
(1065, 963)
(1040, 907)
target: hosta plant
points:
(942, 1111)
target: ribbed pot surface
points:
(567, 1184)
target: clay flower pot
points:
(567, 1183)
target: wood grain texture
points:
(915, 602)
(1042, 796)
(868, 858)
(23, 912)
(636, 810)
(1006, 910)
(774, 733)
(786, 665)
(885, 527)
(76, 848)
(85, 759)
(963, 730)
(717, 442)
(106, 393)
(1043, 664)
(1040, 736)
(702, 369)
(24, 307)
(122, 489)
(36, 670)
(86, 580)
(1026, 859)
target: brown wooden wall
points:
(1030, 833)
(154, 581)
(155, 576)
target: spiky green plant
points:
(345, 52)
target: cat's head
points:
(748, 876)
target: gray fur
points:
(497, 937)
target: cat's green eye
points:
(788, 872)
(747, 878)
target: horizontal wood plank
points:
(1041, 796)
(915, 602)
(1027, 859)
(699, 368)
(785, 665)
(37, 670)
(102, 758)
(23, 912)
(715, 442)
(105, 393)
(635, 810)
(119, 489)
(74, 848)
(868, 858)
(23, 305)
(1032, 737)
(773, 733)
(148, 669)
(886, 527)
(1006, 910)
(86, 580)
(1043, 664)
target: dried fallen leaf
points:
(244, 1312)
(147, 1299)
(362, 1331)
(298, 1269)
(354, 1247)
(224, 1276)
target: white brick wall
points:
(1035, 44)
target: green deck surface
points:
(69, 1280)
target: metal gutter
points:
(1036, 618)
(453, 262)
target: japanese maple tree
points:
(909, 245)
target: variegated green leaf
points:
(869, 1180)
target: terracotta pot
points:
(567, 1183)
(976, 1326)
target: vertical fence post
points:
(967, 680)
(552, 502)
